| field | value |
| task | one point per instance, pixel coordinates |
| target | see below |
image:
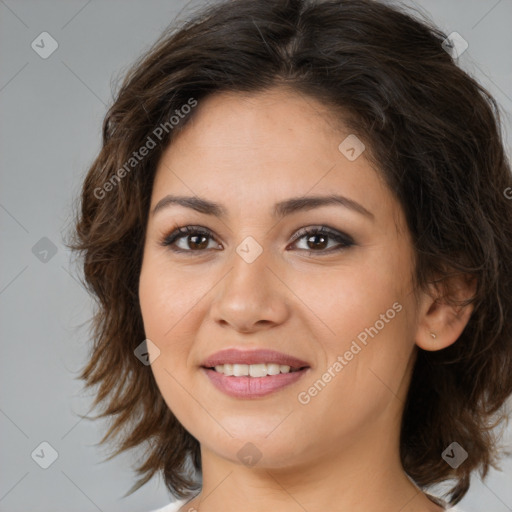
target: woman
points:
(299, 234)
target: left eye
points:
(317, 239)
(198, 238)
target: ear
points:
(441, 318)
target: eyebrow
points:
(281, 209)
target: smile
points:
(247, 386)
(254, 370)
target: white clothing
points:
(174, 506)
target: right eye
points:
(195, 237)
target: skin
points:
(340, 451)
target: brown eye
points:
(317, 239)
(197, 239)
(193, 238)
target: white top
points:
(175, 506)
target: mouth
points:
(249, 387)
(256, 371)
(243, 373)
(253, 362)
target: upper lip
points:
(236, 356)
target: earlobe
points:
(441, 323)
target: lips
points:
(259, 356)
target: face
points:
(259, 277)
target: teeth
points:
(253, 370)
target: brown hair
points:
(431, 130)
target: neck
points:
(363, 475)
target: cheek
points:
(367, 311)
(172, 301)
(344, 301)
(163, 305)
(167, 296)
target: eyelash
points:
(338, 236)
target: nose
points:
(251, 297)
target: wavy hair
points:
(432, 131)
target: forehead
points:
(250, 149)
(285, 126)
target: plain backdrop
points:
(50, 124)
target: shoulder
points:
(171, 507)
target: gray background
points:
(51, 114)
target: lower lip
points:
(252, 387)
